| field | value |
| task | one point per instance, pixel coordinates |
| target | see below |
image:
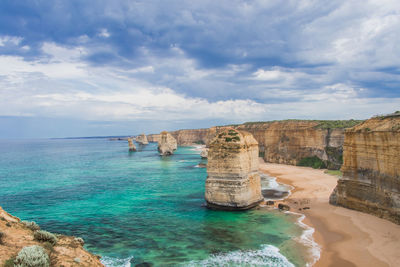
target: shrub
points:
(313, 162)
(9, 262)
(44, 236)
(2, 238)
(32, 256)
(31, 225)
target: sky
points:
(86, 68)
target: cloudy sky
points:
(79, 68)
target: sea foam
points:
(268, 255)
(116, 262)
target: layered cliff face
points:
(287, 142)
(233, 182)
(291, 141)
(15, 235)
(195, 136)
(142, 139)
(371, 168)
(154, 138)
(167, 144)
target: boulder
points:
(204, 153)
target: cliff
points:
(371, 168)
(292, 142)
(167, 144)
(154, 138)
(233, 182)
(14, 235)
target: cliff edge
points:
(371, 168)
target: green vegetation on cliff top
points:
(322, 124)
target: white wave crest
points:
(116, 262)
(268, 255)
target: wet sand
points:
(346, 237)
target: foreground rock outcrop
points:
(167, 144)
(132, 146)
(371, 168)
(68, 251)
(142, 139)
(233, 182)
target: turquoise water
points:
(138, 207)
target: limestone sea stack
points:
(371, 168)
(233, 182)
(142, 139)
(167, 144)
(132, 146)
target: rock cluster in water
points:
(371, 168)
(233, 182)
(167, 144)
(142, 139)
(132, 146)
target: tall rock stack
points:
(142, 139)
(132, 146)
(167, 144)
(233, 182)
(371, 168)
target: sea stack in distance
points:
(132, 146)
(233, 182)
(371, 172)
(167, 144)
(142, 139)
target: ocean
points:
(136, 207)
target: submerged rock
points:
(233, 182)
(167, 144)
(142, 139)
(132, 146)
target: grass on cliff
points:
(322, 124)
(313, 162)
(334, 172)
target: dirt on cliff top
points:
(389, 123)
(67, 252)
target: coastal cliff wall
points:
(291, 141)
(371, 168)
(287, 142)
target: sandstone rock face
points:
(233, 182)
(284, 142)
(142, 139)
(371, 169)
(132, 146)
(288, 142)
(204, 153)
(154, 138)
(167, 144)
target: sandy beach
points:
(346, 237)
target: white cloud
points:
(104, 33)
(13, 40)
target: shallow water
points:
(138, 207)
